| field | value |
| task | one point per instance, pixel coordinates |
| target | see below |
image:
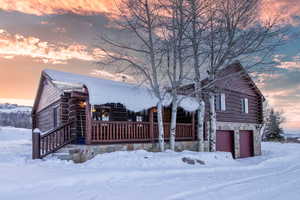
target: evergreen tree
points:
(273, 128)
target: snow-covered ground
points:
(14, 108)
(143, 175)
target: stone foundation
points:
(82, 153)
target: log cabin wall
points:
(237, 86)
(48, 109)
(44, 119)
(234, 111)
(49, 95)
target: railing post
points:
(151, 120)
(193, 126)
(36, 144)
(88, 120)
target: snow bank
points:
(143, 160)
(101, 91)
(15, 144)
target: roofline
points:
(44, 76)
(249, 77)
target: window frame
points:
(55, 112)
(223, 102)
(245, 105)
(220, 102)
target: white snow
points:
(101, 91)
(143, 175)
(10, 108)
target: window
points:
(220, 102)
(245, 106)
(105, 115)
(101, 113)
(55, 117)
(223, 102)
(139, 118)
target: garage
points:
(246, 144)
(225, 141)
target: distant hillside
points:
(15, 115)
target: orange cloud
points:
(19, 45)
(44, 7)
(287, 9)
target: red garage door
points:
(225, 141)
(246, 144)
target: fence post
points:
(36, 144)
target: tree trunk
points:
(200, 113)
(160, 127)
(173, 123)
(200, 126)
(262, 132)
(213, 123)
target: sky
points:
(63, 35)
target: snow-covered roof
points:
(102, 91)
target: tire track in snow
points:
(191, 193)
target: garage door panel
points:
(225, 141)
(246, 144)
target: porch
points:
(85, 130)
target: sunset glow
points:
(63, 35)
(48, 7)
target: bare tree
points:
(195, 10)
(173, 27)
(140, 20)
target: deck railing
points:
(184, 131)
(109, 132)
(118, 132)
(43, 145)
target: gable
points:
(48, 94)
(235, 78)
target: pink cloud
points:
(113, 76)
(286, 10)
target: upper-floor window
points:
(245, 105)
(220, 102)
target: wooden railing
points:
(184, 131)
(118, 132)
(109, 132)
(43, 145)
